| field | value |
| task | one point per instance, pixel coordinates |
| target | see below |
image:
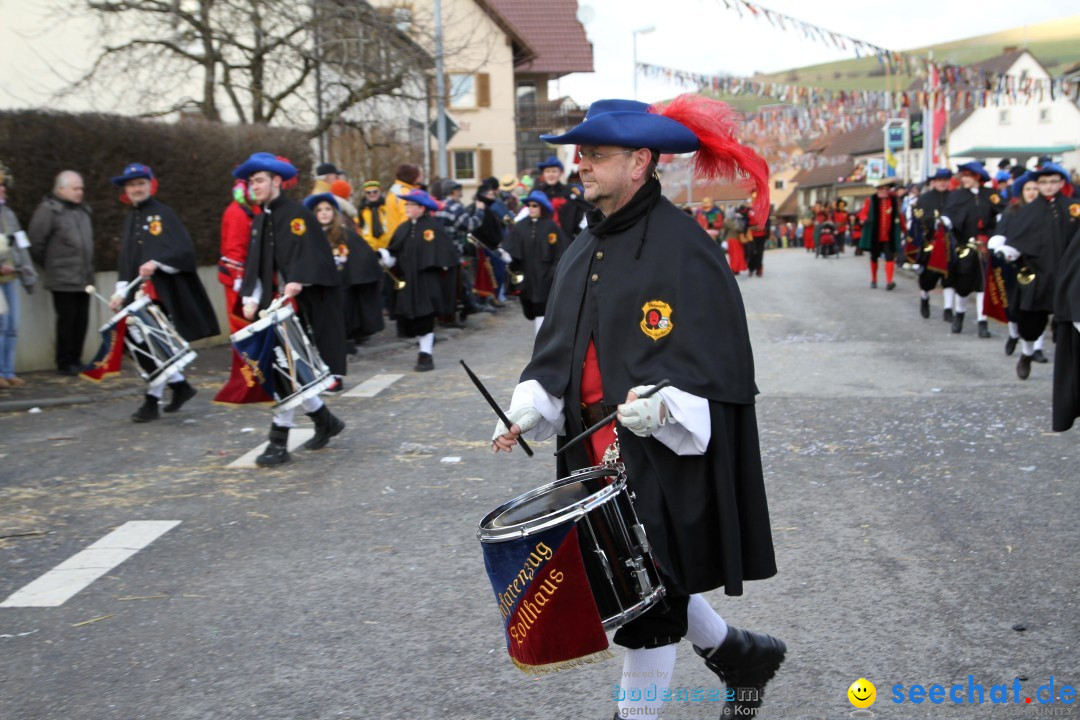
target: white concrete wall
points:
(37, 322)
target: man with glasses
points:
(1037, 238)
(644, 294)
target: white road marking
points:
(60, 584)
(373, 386)
(297, 437)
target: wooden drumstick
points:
(652, 391)
(495, 406)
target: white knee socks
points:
(924, 295)
(1027, 347)
(1014, 331)
(949, 296)
(961, 304)
(427, 342)
(979, 305)
(705, 628)
(646, 675)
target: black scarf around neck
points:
(376, 222)
(628, 215)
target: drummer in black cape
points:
(641, 295)
(358, 267)
(423, 253)
(289, 251)
(156, 246)
(535, 245)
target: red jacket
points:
(235, 241)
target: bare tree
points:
(164, 56)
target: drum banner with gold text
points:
(258, 352)
(110, 356)
(549, 615)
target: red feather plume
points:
(722, 156)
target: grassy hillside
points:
(1056, 44)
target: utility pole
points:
(440, 94)
(318, 79)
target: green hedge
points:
(192, 161)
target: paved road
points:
(921, 509)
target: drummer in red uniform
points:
(626, 312)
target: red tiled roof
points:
(552, 30)
(719, 192)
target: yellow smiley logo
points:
(862, 693)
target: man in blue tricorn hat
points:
(644, 294)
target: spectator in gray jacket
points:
(61, 240)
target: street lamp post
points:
(639, 31)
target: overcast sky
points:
(703, 36)
(699, 35)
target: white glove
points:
(724, 245)
(643, 416)
(946, 221)
(504, 256)
(995, 242)
(525, 418)
(1010, 253)
(387, 259)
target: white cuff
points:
(688, 427)
(255, 296)
(532, 394)
(1077, 326)
(166, 268)
(121, 287)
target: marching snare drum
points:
(152, 341)
(621, 573)
(292, 370)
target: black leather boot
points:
(181, 393)
(924, 307)
(1010, 345)
(744, 662)
(984, 329)
(1023, 367)
(947, 315)
(148, 411)
(958, 323)
(277, 450)
(1040, 357)
(327, 425)
(424, 362)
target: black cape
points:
(535, 247)
(1040, 231)
(973, 214)
(424, 254)
(1066, 405)
(152, 231)
(657, 297)
(361, 286)
(287, 243)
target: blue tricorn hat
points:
(264, 161)
(941, 174)
(551, 161)
(1002, 176)
(133, 171)
(420, 198)
(312, 200)
(977, 168)
(1051, 169)
(538, 197)
(629, 124)
(1018, 184)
